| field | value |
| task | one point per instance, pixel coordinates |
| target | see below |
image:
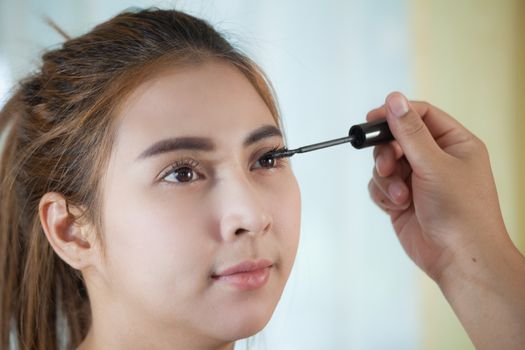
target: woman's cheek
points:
(289, 216)
(150, 237)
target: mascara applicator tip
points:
(280, 153)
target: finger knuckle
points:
(414, 127)
(481, 144)
(478, 146)
(423, 104)
(427, 105)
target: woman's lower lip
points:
(247, 280)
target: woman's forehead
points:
(212, 100)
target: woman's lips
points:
(247, 275)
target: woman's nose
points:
(244, 208)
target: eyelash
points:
(194, 165)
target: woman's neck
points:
(93, 343)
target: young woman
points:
(138, 211)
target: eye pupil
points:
(184, 174)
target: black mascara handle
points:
(370, 134)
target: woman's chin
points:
(246, 330)
(236, 327)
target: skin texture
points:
(436, 184)
(164, 235)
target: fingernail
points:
(398, 105)
(380, 161)
(396, 191)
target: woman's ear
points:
(74, 242)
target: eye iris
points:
(267, 162)
(183, 174)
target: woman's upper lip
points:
(245, 266)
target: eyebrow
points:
(203, 143)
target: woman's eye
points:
(267, 162)
(182, 172)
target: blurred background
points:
(352, 286)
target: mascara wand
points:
(359, 136)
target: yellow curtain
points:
(469, 60)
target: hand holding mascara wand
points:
(360, 136)
(447, 217)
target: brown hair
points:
(58, 136)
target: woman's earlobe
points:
(72, 241)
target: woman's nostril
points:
(240, 231)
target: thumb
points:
(409, 129)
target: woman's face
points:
(177, 212)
